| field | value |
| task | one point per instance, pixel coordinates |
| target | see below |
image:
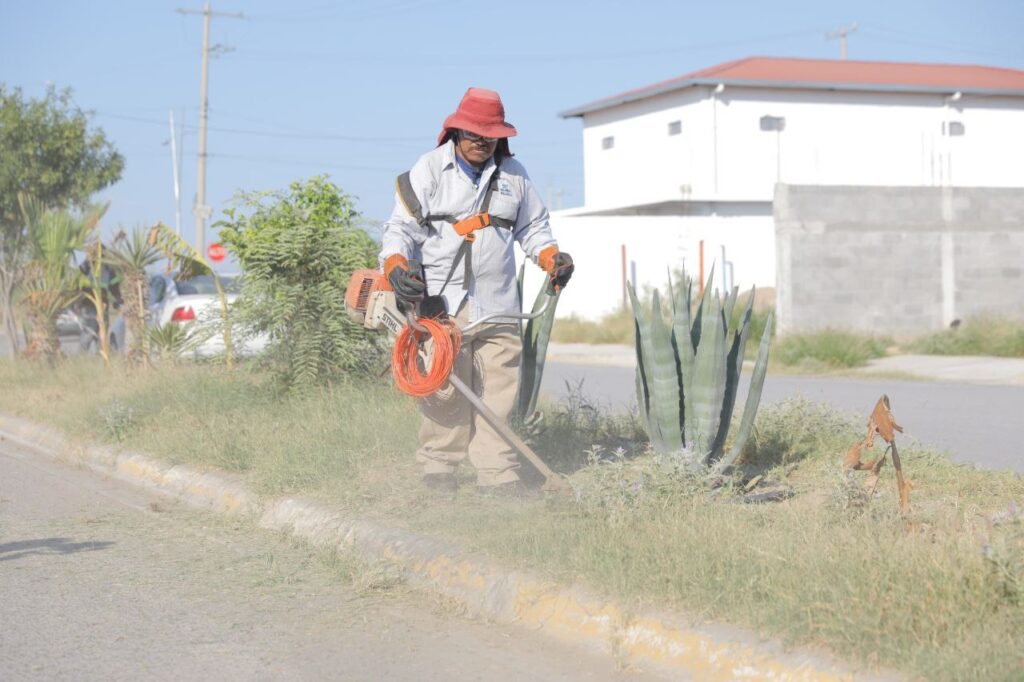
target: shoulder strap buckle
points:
(466, 227)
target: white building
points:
(695, 160)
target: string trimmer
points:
(370, 302)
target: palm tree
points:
(50, 281)
(132, 254)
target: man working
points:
(449, 244)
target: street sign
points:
(216, 252)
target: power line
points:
(402, 61)
(302, 162)
(308, 15)
(901, 37)
(403, 141)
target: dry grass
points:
(939, 594)
(1002, 337)
(616, 327)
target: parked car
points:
(194, 303)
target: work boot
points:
(441, 483)
(513, 490)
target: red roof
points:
(833, 74)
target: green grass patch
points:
(828, 349)
(938, 594)
(1002, 337)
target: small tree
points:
(298, 249)
(132, 254)
(48, 151)
(96, 289)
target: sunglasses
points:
(473, 137)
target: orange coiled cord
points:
(405, 363)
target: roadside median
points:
(484, 588)
(934, 594)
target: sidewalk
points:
(968, 369)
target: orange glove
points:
(408, 287)
(558, 265)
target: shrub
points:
(830, 347)
(298, 249)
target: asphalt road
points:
(100, 581)
(978, 424)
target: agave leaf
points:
(698, 326)
(644, 363)
(535, 337)
(753, 398)
(709, 378)
(734, 367)
(519, 286)
(521, 403)
(730, 303)
(744, 330)
(671, 292)
(682, 342)
(665, 376)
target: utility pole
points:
(842, 32)
(201, 210)
(176, 174)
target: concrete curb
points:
(483, 587)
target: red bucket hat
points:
(480, 112)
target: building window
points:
(769, 123)
(675, 127)
(953, 128)
(608, 142)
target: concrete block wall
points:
(896, 260)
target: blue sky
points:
(357, 89)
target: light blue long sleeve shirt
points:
(443, 188)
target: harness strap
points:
(465, 227)
(403, 185)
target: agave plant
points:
(535, 335)
(169, 341)
(688, 372)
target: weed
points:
(571, 429)
(829, 349)
(798, 429)
(118, 419)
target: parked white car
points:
(194, 303)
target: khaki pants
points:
(488, 362)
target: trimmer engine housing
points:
(370, 302)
